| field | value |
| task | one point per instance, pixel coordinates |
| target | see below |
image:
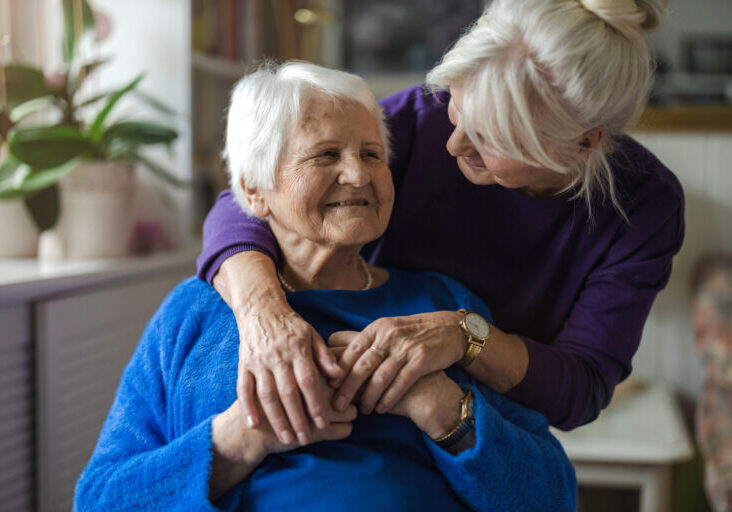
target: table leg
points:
(656, 490)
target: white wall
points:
(703, 164)
(17, 20)
(150, 36)
(154, 36)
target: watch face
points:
(477, 325)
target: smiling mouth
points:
(349, 202)
(472, 164)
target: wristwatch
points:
(477, 330)
(466, 423)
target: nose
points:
(459, 144)
(355, 172)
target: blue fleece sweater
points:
(155, 451)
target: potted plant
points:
(91, 161)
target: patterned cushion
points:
(712, 318)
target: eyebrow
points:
(326, 143)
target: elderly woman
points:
(316, 171)
(562, 224)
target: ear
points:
(591, 138)
(256, 202)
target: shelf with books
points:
(217, 66)
(227, 37)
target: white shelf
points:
(27, 279)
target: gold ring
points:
(380, 351)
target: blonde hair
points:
(265, 108)
(538, 74)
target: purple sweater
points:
(577, 292)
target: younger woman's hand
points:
(281, 356)
(413, 346)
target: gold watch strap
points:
(471, 353)
(464, 425)
(474, 346)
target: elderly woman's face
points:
(333, 184)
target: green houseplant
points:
(42, 154)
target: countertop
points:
(640, 426)
(26, 279)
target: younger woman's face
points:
(489, 169)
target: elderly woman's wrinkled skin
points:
(333, 190)
(333, 193)
(333, 186)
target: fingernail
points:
(320, 422)
(250, 421)
(341, 403)
(286, 437)
(302, 438)
(380, 409)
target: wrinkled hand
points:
(229, 423)
(278, 352)
(339, 425)
(414, 346)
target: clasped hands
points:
(238, 448)
(281, 363)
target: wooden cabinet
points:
(66, 334)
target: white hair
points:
(265, 108)
(538, 74)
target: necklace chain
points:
(369, 278)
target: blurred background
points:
(89, 246)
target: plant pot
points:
(18, 232)
(96, 208)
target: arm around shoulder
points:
(228, 231)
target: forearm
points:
(248, 280)
(438, 416)
(563, 386)
(235, 455)
(438, 411)
(277, 348)
(227, 231)
(503, 362)
(566, 387)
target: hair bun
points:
(629, 17)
